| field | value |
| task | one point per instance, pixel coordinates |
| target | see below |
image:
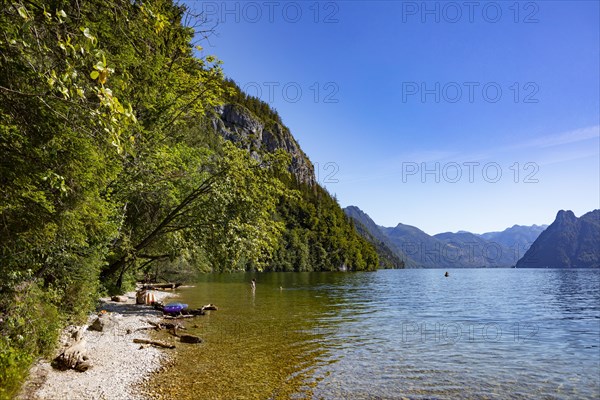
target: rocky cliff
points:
(238, 124)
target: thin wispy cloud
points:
(571, 155)
(563, 138)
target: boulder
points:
(102, 323)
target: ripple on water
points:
(496, 334)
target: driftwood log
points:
(163, 325)
(178, 316)
(159, 286)
(157, 343)
(74, 356)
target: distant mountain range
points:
(450, 250)
(516, 236)
(569, 242)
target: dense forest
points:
(111, 169)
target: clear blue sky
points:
(410, 110)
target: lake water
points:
(479, 333)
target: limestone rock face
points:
(239, 125)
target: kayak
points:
(174, 307)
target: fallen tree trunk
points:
(178, 316)
(74, 356)
(158, 286)
(146, 328)
(157, 343)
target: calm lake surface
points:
(480, 333)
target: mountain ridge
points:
(569, 242)
(367, 228)
(451, 250)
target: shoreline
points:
(119, 366)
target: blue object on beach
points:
(174, 307)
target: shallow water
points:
(497, 334)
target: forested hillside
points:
(111, 166)
(389, 255)
(318, 235)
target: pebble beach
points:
(119, 366)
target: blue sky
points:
(441, 115)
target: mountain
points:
(517, 238)
(318, 236)
(388, 259)
(421, 250)
(472, 250)
(389, 256)
(363, 218)
(569, 242)
(448, 250)
(462, 249)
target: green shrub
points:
(30, 327)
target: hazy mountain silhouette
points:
(569, 242)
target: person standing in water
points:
(253, 284)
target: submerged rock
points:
(185, 338)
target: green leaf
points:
(94, 74)
(23, 13)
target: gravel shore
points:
(118, 363)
